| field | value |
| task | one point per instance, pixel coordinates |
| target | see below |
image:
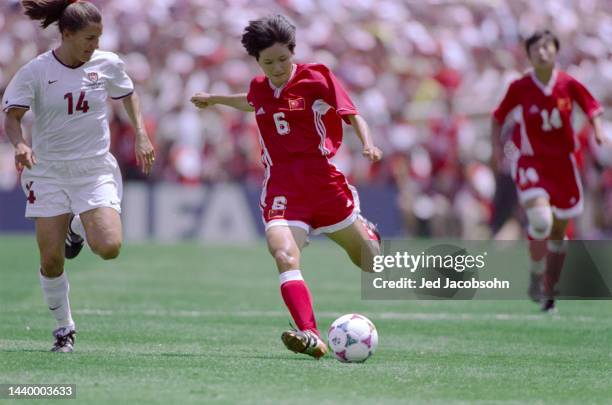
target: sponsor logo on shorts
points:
(31, 197)
(279, 204)
(276, 214)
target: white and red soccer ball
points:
(352, 338)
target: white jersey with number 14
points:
(69, 103)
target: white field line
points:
(399, 316)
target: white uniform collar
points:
(548, 87)
(277, 90)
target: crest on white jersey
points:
(260, 111)
(93, 76)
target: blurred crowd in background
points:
(424, 74)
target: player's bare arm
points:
(363, 133)
(237, 101)
(496, 129)
(145, 153)
(24, 157)
(600, 137)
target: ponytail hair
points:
(72, 15)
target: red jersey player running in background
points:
(545, 174)
(299, 110)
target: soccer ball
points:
(352, 338)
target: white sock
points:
(537, 267)
(77, 226)
(56, 291)
(557, 246)
(290, 275)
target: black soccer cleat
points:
(548, 306)
(306, 342)
(74, 242)
(64, 340)
(535, 287)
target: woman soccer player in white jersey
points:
(69, 169)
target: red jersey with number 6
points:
(301, 128)
(545, 112)
(303, 118)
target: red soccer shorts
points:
(310, 194)
(556, 178)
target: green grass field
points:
(193, 324)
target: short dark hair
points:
(536, 36)
(72, 15)
(265, 32)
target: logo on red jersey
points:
(564, 104)
(93, 76)
(297, 104)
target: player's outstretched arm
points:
(145, 153)
(24, 157)
(496, 129)
(237, 101)
(600, 137)
(363, 133)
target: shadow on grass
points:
(166, 354)
(232, 356)
(25, 350)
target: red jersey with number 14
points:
(303, 118)
(545, 112)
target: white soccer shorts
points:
(60, 187)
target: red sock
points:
(298, 300)
(537, 249)
(554, 265)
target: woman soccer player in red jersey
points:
(545, 173)
(69, 169)
(299, 110)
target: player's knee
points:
(556, 234)
(374, 248)
(362, 255)
(558, 231)
(107, 250)
(540, 221)
(370, 243)
(285, 260)
(52, 265)
(369, 250)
